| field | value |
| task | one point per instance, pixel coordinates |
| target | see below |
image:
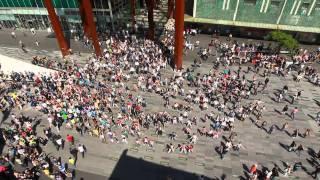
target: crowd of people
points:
(101, 98)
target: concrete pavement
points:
(107, 160)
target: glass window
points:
(97, 4)
(105, 4)
(60, 3)
(2, 4)
(250, 2)
(40, 3)
(304, 8)
(11, 4)
(25, 3)
(33, 3)
(74, 4)
(275, 4)
(317, 7)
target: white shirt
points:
(81, 149)
(59, 141)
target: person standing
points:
(292, 146)
(294, 112)
(13, 35)
(275, 171)
(70, 139)
(33, 31)
(285, 109)
(74, 152)
(271, 129)
(253, 170)
(294, 97)
(193, 139)
(59, 143)
(82, 149)
(299, 149)
(280, 96)
(285, 126)
(266, 81)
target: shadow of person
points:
(312, 152)
(245, 172)
(6, 114)
(284, 146)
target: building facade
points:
(32, 13)
(299, 16)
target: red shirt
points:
(70, 138)
(138, 108)
(253, 169)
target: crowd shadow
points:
(312, 152)
(2, 141)
(312, 117)
(317, 102)
(284, 146)
(133, 168)
(6, 114)
(286, 131)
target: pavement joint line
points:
(150, 150)
(164, 163)
(159, 142)
(134, 149)
(199, 163)
(182, 158)
(114, 158)
(243, 155)
(148, 157)
(208, 167)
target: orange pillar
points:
(90, 25)
(150, 6)
(133, 14)
(179, 38)
(83, 19)
(170, 9)
(56, 26)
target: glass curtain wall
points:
(32, 14)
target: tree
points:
(284, 40)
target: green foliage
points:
(284, 40)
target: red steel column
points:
(170, 9)
(133, 14)
(83, 19)
(56, 26)
(150, 6)
(179, 28)
(89, 19)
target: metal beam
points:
(91, 25)
(56, 26)
(194, 13)
(262, 5)
(111, 15)
(293, 6)
(298, 7)
(266, 6)
(312, 7)
(150, 6)
(282, 9)
(236, 11)
(179, 38)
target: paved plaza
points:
(129, 161)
